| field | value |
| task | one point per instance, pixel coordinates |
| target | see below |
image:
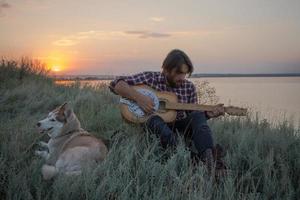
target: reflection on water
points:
(275, 98)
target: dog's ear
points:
(66, 109)
(62, 108)
(67, 112)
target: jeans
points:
(195, 123)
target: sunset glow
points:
(56, 68)
(250, 36)
(57, 61)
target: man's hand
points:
(145, 103)
(123, 89)
(218, 111)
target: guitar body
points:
(166, 115)
(165, 106)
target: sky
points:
(129, 36)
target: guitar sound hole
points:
(162, 106)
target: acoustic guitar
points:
(165, 105)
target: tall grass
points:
(264, 160)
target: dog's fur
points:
(70, 147)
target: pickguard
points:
(134, 108)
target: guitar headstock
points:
(237, 111)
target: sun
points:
(56, 68)
(57, 62)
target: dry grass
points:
(265, 160)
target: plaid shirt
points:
(186, 92)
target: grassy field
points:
(264, 159)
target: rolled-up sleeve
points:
(136, 79)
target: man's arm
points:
(123, 89)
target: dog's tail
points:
(49, 171)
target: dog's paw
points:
(43, 154)
(43, 144)
(49, 171)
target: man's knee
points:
(198, 116)
(153, 120)
(199, 122)
(155, 124)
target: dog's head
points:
(55, 121)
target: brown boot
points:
(220, 166)
(218, 152)
(207, 157)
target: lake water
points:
(274, 98)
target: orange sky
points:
(121, 37)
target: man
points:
(175, 68)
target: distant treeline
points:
(110, 77)
(246, 75)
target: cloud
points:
(148, 34)
(73, 39)
(157, 19)
(65, 42)
(3, 5)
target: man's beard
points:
(171, 82)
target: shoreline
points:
(109, 77)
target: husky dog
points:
(70, 147)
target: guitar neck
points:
(187, 106)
